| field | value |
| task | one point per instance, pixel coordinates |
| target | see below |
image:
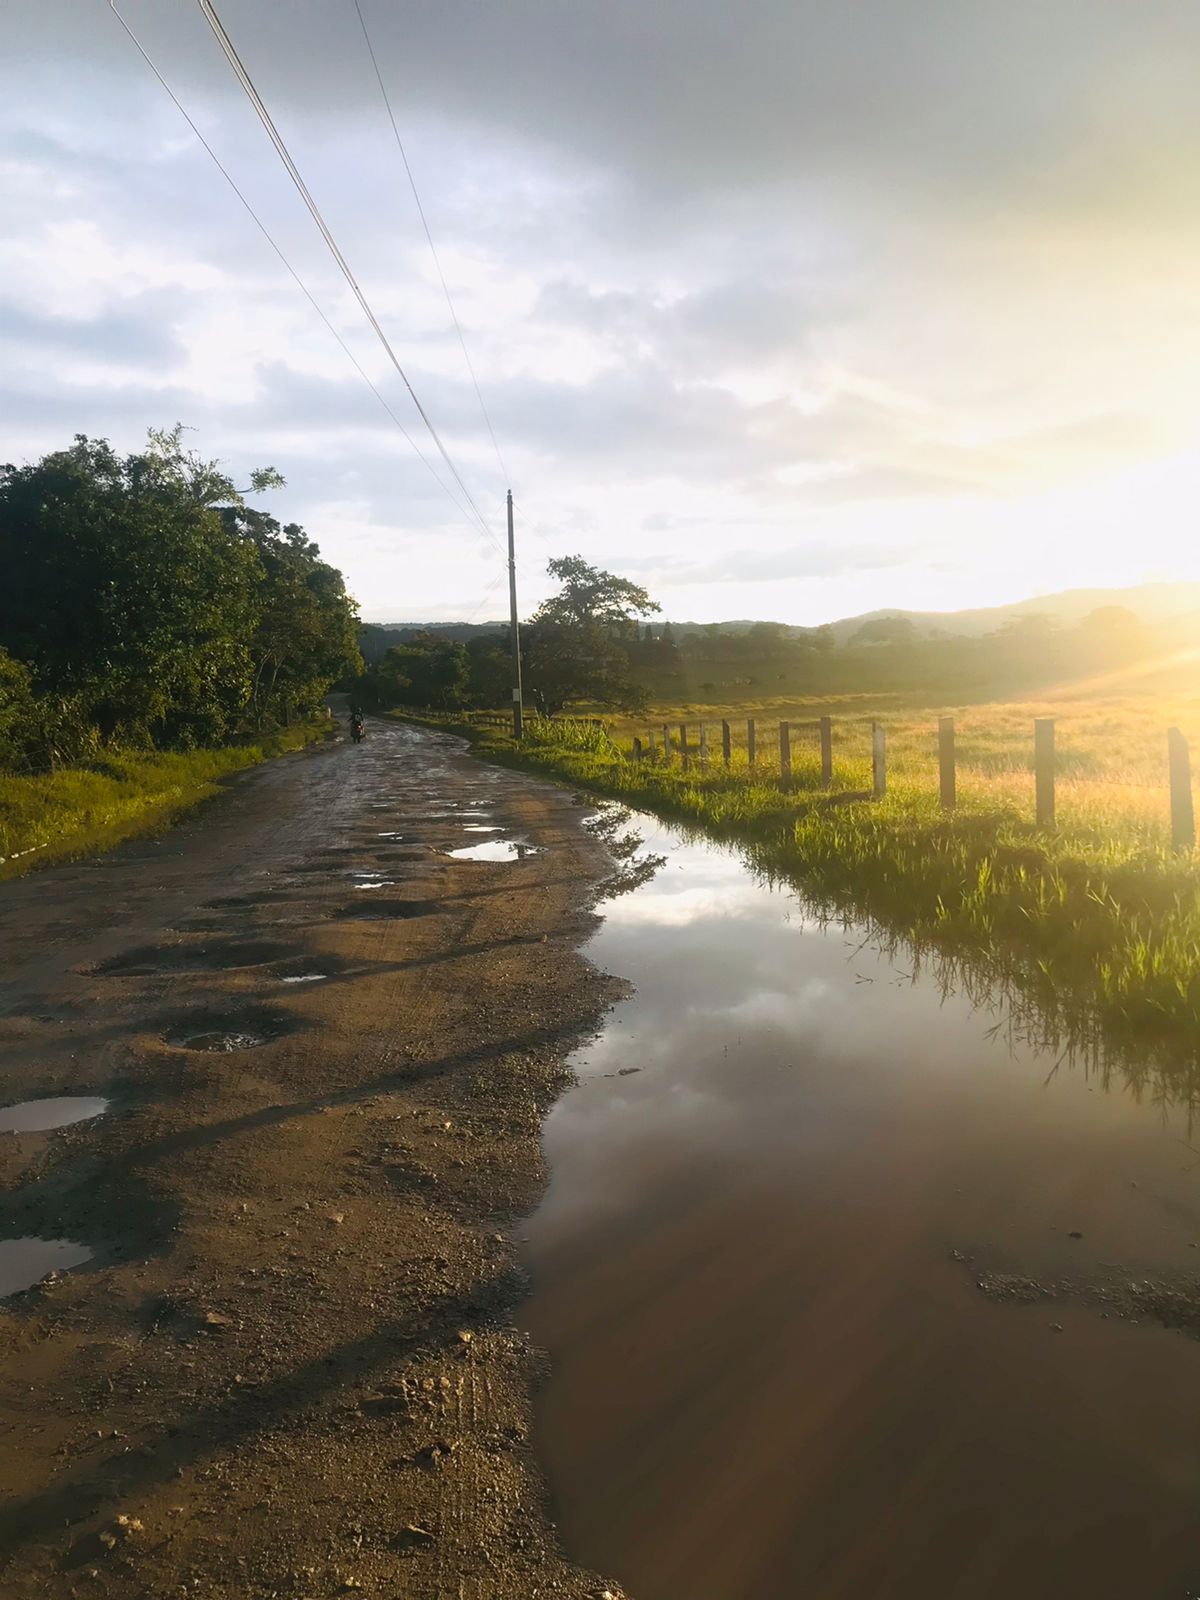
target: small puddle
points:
(24, 1262)
(481, 827)
(217, 1041)
(42, 1116)
(304, 977)
(757, 1271)
(496, 850)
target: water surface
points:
(24, 1262)
(58, 1111)
(757, 1272)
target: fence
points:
(688, 745)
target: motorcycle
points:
(357, 730)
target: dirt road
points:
(287, 1368)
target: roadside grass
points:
(85, 810)
(1096, 922)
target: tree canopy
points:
(148, 605)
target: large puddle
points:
(24, 1262)
(757, 1270)
(57, 1111)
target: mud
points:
(278, 1358)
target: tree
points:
(152, 607)
(306, 632)
(427, 671)
(884, 630)
(577, 645)
(126, 595)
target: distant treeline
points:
(144, 605)
(589, 646)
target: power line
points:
(264, 116)
(295, 276)
(487, 594)
(412, 183)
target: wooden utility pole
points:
(1043, 769)
(878, 760)
(514, 627)
(946, 768)
(826, 753)
(1183, 817)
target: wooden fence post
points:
(878, 760)
(1183, 818)
(785, 754)
(750, 741)
(1043, 766)
(666, 744)
(653, 751)
(683, 745)
(637, 749)
(946, 762)
(725, 743)
(704, 744)
(826, 752)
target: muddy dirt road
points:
(282, 1364)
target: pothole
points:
(24, 1262)
(481, 827)
(221, 1034)
(216, 957)
(57, 1111)
(496, 850)
(376, 910)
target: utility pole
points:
(518, 719)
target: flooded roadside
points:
(758, 1272)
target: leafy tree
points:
(151, 607)
(305, 636)
(577, 645)
(18, 721)
(427, 671)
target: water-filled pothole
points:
(216, 1033)
(496, 850)
(304, 977)
(58, 1111)
(481, 827)
(24, 1262)
(217, 956)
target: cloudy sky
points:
(788, 309)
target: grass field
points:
(80, 810)
(1097, 921)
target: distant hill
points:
(1152, 602)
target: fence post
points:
(750, 741)
(946, 762)
(725, 743)
(637, 749)
(704, 744)
(666, 745)
(826, 753)
(1183, 818)
(653, 751)
(878, 760)
(785, 754)
(1043, 766)
(683, 745)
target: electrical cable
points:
(412, 183)
(293, 274)
(264, 116)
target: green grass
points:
(1096, 922)
(84, 810)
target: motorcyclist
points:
(357, 728)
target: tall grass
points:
(1096, 921)
(79, 810)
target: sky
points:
(785, 309)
